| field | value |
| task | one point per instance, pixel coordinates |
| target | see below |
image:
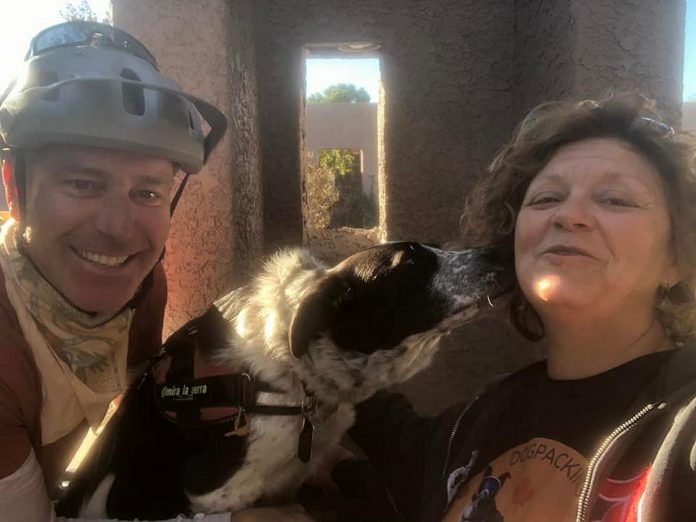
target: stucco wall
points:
(216, 230)
(544, 41)
(631, 44)
(583, 48)
(457, 76)
(446, 109)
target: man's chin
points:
(103, 304)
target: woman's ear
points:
(673, 274)
(8, 181)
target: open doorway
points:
(341, 142)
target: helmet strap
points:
(177, 195)
(20, 177)
(14, 176)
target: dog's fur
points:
(339, 334)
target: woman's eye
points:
(617, 201)
(543, 199)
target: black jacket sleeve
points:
(401, 445)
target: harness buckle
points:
(242, 426)
(246, 393)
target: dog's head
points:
(377, 298)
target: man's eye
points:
(148, 197)
(82, 187)
(81, 184)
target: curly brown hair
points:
(491, 210)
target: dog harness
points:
(199, 395)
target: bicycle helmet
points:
(91, 84)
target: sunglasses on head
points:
(657, 126)
(76, 33)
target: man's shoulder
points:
(20, 387)
(13, 345)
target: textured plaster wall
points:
(544, 38)
(631, 44)
(216, 230)
(582, 48)
(457, 76)
(446, 109)
(448, 103)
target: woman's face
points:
(593, 232)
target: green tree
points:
(82, 10)
(340, 161)
(321, 192)
(340, 93)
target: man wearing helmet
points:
(92, 135)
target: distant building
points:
(689, 116)
(346, 126)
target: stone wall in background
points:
(457, 76)
(582, 49)
(447, 108)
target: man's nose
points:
(574, 213)
(115, 216)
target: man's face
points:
(97, 221)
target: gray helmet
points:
(91, 84)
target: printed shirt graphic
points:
(526, 460)
(539, 480)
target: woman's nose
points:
(115, 217)
(574, 214)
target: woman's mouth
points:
(563, 250)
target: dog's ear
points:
(316, 312)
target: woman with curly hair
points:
(598, 200)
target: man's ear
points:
(316, 313)
(8, 180)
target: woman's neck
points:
(578, 349)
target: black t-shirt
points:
(525, 457)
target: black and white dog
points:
(246, 401)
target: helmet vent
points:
(133, 96)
